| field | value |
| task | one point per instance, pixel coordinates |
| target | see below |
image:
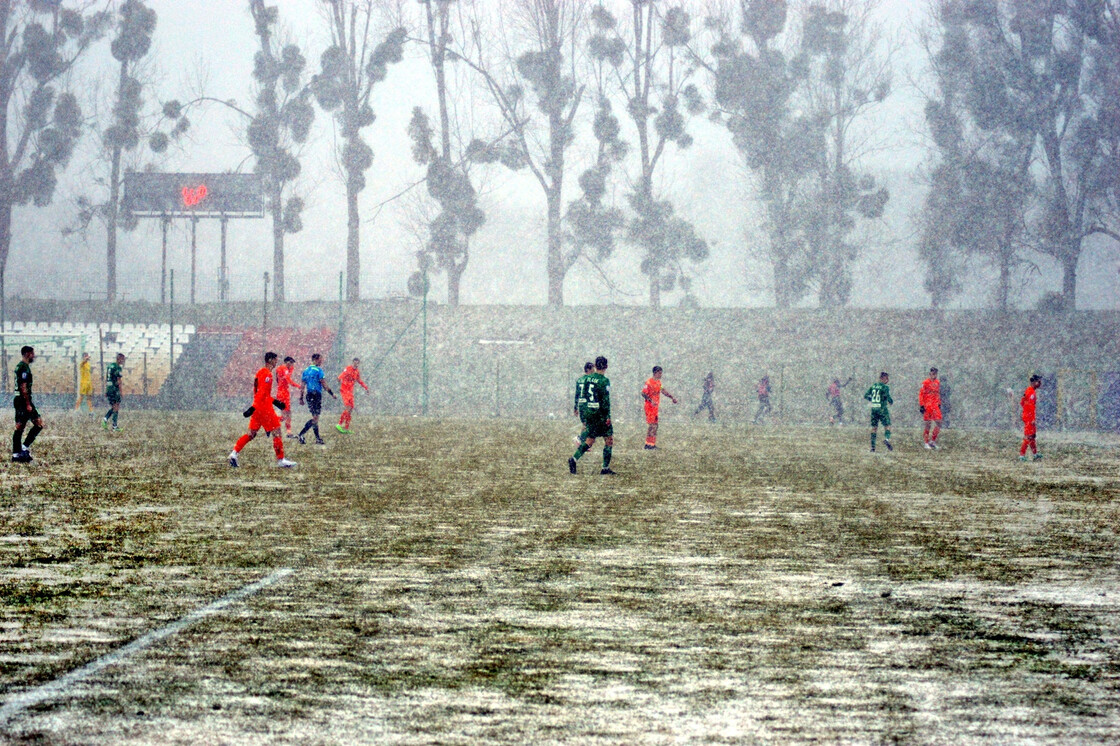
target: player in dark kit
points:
(25, 408)
(595, 392)
(311, 391)
(879, 396)
(113, 375)
(588, 369)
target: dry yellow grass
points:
(454, 584)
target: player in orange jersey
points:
(284, 386)
(651, 393)
(1027, 403)
(346, 380)
(262, 415)
(929, 403)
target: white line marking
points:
(51, 689)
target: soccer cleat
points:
(116, 429)
(293, 436)
(104, 424)
(320, 442)
(887, 443)
(1037, 457)
(873, 449)
(572, 465)
(927, 446)
(1022, 458)
(341, 429)
(301, 440)
(23, 457)
(934, 446)
(283, 463)
(607, 470)
(233, 459)
(650, 448)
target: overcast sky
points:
(208, 45)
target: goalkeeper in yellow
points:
(593, 397)
(85, 384)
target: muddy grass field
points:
(452, 583)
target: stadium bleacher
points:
(246, 360)
(149, 350)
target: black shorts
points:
(314, 401)
(23, 414)
(597, 426)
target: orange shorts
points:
(932, 413)
(266, 420)
(651, 415)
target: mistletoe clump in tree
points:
(651, 60)
(281, 123)
(40, 122)
(344, 86)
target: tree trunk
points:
(1003, 292)
(353, 260)
(1069, 274)
(113, 208)
(454, 277)
(277, 247)
(556, 270)
(654, 288)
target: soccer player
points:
(763, 399)
(1027, 403)
(879, 395)
(706, 397)
(284, 386)
(113, 375)
(929, 404)
(588, 369)
(262, 415)
(596, 410)
(311, 389)
(346, 380)
(85, 384)
(834, 399)
(25, 408)
(651, 393)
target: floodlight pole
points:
(424, 354)
(223, 271)
(194, 253)
(171, 347)
(264, 314)
(3, 329)
(165, 223)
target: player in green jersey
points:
(113, 375)
(595, 410)
(588, 369)
(25, 408)
(880, 397)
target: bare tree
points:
(349, 70)
(534, 83)
(40, 122)
(652, 70)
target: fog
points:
(207, 46)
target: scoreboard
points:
(193, 195)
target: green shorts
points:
(880, 415)
(596, 425)
(113, 394)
